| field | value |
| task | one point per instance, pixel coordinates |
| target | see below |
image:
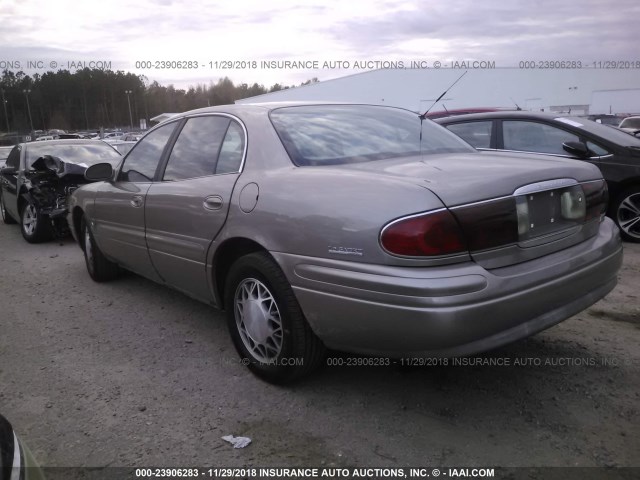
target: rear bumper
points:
(454, 310)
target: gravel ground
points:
(131, 373)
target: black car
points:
(615, 152)
(38, 177)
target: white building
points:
(417, 89)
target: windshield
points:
(81, 154)
(341, 134)
(631, 123)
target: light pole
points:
(26, 94)
(4, 104)
(129, 92)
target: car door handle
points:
(214, 202)
(136, 201)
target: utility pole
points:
(4, 104)
(129, 92)
(26, 94)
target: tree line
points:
(89, 99)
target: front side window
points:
(196, 151)
(535, 137)
(477, 134)
(141, 163)
(339, 134)
(596, 150)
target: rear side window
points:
(477, 134)
(195, 153)
(141, 163)
(230, 159)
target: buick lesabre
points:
(359, 228)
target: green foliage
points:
(91, 98)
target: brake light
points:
(424, 235)
(597, 198)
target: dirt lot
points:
(133, 374)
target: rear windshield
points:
(340, 134)
(81, 154)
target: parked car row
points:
(360, 228)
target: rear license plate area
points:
(549, 212)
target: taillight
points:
(429, 234)
(597, 197)
(496, 223)
(489, 224)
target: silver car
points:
(358, 228)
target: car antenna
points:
(422, 116)
(517, 106)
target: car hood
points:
(471, 177)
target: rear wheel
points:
(34, 225)
(626, 213)
(6, 218)
(100, 269)
(266, 322)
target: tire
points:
(278, 345)
(6, 217)
(35, 226)
(626, 213)
(100, 269)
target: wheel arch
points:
(23, 198)
(616, 189)
(76, 221)
(226, 254)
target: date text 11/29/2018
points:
(303, 473)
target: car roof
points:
(239, 107)
(505, 114)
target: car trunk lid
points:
(510, 207)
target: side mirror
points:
(99, 172)
(577, 149)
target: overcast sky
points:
(203, 31)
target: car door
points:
(188, 207)
(534, 137)
(10, 182)
(118, 219)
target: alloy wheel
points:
(29, 219)
(628, 215)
